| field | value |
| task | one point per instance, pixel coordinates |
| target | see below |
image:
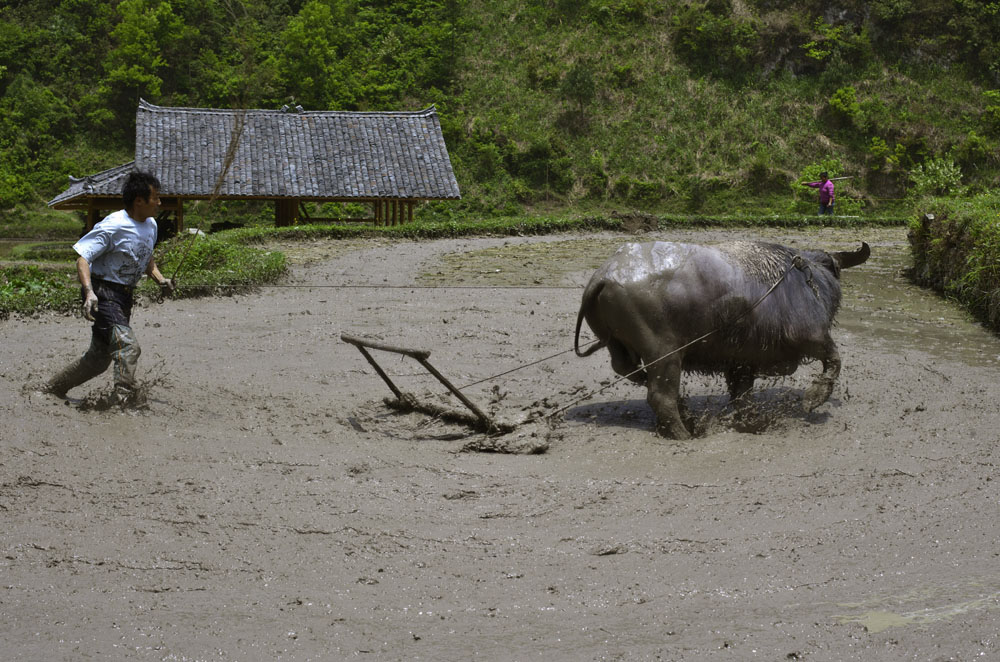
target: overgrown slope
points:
(724, 105)
(719, 106)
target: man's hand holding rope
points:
(167, 287)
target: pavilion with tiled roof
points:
(391, 160)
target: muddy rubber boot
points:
(125, 353)
(83, 369)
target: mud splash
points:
(107, 399)
(138, 399)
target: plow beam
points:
(407, 400)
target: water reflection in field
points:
(881, 303)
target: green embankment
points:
(956, 251)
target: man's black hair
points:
(139, 184)
(821, 175)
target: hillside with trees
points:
(721, 106)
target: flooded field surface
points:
(266, 503)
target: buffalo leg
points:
(739, 380)
(625, 363)
(663, 395)
(822, 386)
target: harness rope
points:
(526, 365)
(419, 287)
(797, 262)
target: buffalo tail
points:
(588, 296)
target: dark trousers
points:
(112, 341)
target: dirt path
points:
(268, 505)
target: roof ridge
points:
(430, 110)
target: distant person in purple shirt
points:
(825, 186)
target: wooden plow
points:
(408, 402)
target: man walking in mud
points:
(113, 257)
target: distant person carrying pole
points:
(113, 257)
(825, 186)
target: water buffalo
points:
(752, 308)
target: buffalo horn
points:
(847, 259)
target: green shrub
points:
(879, 153)
(596, 178)
(578, 85)
(208, 263)
(936, 176)
(638, 191)
(22, 222)
(698, 191)
(845, 108)
(543, 166)
(47, 252)
(991, 112)
(974, 151)
(26, 289)
(834, 42)
(716, 41)
(762, 177)
(615, 13)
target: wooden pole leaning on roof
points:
(234, 142)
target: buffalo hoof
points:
(817, 394)
(673, 430)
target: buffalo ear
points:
(846, 259)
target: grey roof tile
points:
(310, 154)
(106, 183)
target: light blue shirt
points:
(119, 248)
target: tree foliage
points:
(314, 55)
(614, 100)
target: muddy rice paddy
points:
(264, 503)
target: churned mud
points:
(264, 502)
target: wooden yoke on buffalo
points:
(478, 420)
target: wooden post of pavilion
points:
(286, 212)
(93, 214)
